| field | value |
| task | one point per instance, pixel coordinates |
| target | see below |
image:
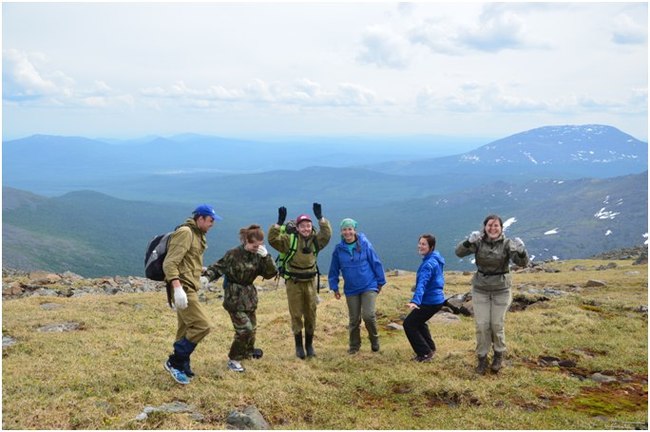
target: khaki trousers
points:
(301, 295)
(490, 315)
(193, 323)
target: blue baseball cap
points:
(206, 210)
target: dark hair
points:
(431, 240)
(490, 217)
(251, 233)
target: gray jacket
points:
(493, 262)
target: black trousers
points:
(417, 330)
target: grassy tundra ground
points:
(104, 374)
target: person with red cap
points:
(300, 273)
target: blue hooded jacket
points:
(430, 281)
(362, 271)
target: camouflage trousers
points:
(245, 325)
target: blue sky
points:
(124, 70)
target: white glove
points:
(204, 282)
(180, 298)
(262, 251)
(474, 236)
(518, 245)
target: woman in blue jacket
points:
(363, 277)
(427, 299)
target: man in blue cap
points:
(182, 266)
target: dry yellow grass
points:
(103, 375)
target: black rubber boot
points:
(300, 351)
(309, 339)
(482, 365)
(497, 361)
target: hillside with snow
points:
(585, 150)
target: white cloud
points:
(628, 32)
(384, 48)
(407, 68)
(21, 80)
(303, 92)
(497, 30)
(26, 83)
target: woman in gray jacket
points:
(491, 286)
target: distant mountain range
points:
(589, 150)
(535, 180)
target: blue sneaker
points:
(178, 375)
(235, 366)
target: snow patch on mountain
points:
(604, 214)
(509, 222)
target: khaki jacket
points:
(301, 262)
(492, 262)
(184, 260)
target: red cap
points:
(303, 217)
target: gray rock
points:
(51, 306)
(8, 341)
(60, 327)
(445, 318)
(595, 283)
(45, 292)
(249, 419)
(171, 408)
(394, 326)
(600, 378)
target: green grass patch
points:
(104, 374)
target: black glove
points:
(318, 212)
(282, 215)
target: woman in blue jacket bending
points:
(427, 299)
(363, 277)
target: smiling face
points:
(423, 246)
(349, 234)
(305, 228)
(493, 228)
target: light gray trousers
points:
(489, 316)
(362, 306)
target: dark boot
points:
(497, 361)
(482, 365)
(309, 339)
(300, 351)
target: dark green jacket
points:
(492, 262)
(240, 268)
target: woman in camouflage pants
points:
(240, 267)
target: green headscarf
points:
(348, 222)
